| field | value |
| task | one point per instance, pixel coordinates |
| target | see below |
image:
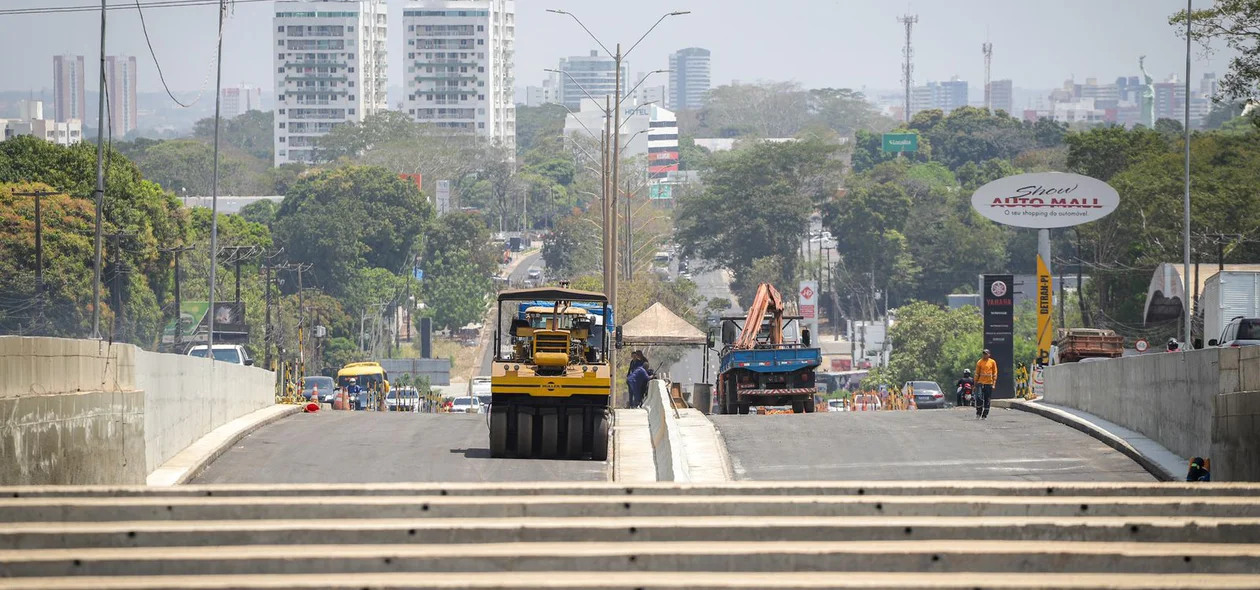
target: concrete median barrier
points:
(92, 412)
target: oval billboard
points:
(1045, 200)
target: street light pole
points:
(1189, 323)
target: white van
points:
(228, 353)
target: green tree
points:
(537, 124)
(262, 212)
(132, 205)
(348, 219)
(1103, 152)
(186, 167)
(458, 263)
(1235, 24)
(930, 343)
(756, 204)
(252, 133)
(573, 248)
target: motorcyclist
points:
(964, 387)
(1173, 345)
(355, 393)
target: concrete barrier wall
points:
(187, 397)
(671, 462)
(1169, 397)
(88, 412)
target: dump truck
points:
(551, 381)
(1075, 344)
(766, 359)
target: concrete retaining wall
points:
(1169, 397)
(667, 450)
(88, 412)
(187, 397)
(1236, 437)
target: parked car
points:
(324, 385)
(228, 353)
(1239, 332)
(927, 394)
(465, 405)
(836, 405)
(534, 273)
(403, 399)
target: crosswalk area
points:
(602, 535)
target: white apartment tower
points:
(460, 56)
(330, 69)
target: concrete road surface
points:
(371, 447)
(918, 445)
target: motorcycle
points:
(966, 395)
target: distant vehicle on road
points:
(1239, 332)
(229, 353)
(402, 399)
(927, 394)
(466, 405)
(324, 385)
(1075, 344)
(822, 237)
(534, 273)
(836, 405)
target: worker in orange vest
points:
(986, 378)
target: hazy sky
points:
(837, 43)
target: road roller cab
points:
(551, 382)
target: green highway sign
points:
(901, 142)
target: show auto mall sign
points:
(1045, 200)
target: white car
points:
(228, 353)
(836, 405)
(466, 405)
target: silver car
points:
(927, 394)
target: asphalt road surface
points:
(372, 447)
(918, 445)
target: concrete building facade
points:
(120, 84)
(238, 100)
(330, 63)
(690, 78)
(593, 75)
(32, 122)
(68, 87)
(1002, 96)
(460, 57)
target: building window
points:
(282, 124)
(481, 41)
(481, 125)
(280, 29)
(281, 56)
(282, 138)
(481, 97)
(351, 97)
(281, 111)
(481, 28)
(279, 70)
(481, 70)
(352, 84)
(350, 70)
(280, 43)
(351, 111)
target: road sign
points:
(901, 142)
(1141, 345)
(808, 303)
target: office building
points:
(120, 84)
(1209, 85)
(646, 130)
(1170, 100)
(1002, 96)
(460, 56)
(689, 79)
(68, 88)
(548, 93)
(31, 121)
(592, 76)
(645, 92)
(238, 100)
(945, 96)
(330, 69)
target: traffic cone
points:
(312, 407)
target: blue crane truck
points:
(762, 363)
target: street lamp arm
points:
(649, 31)
(641, 81)
(588, 31)
(579, 120)
(579, 85)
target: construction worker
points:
(986, 379)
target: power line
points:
(161, 76)
(125, 6)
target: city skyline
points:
(947, 42)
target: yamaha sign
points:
(1045, 200)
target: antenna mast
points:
(988, 89)
(907, 70)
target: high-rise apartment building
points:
(330, 69)
(120, 84)
(68, 80)
(238, 100)
(460, 56)
(689, 78)
(1002, 96)
(1170, 100)
(945, 96)
(548, 93)
(592, 76)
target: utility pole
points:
(987, 48)
(616, 176)
(267, 324)
(907, 70)
(214, 183)
(609, 219)
(116, 299)
(99, 193)
(39, 237)
(178, 337)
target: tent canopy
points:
(659, 325)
